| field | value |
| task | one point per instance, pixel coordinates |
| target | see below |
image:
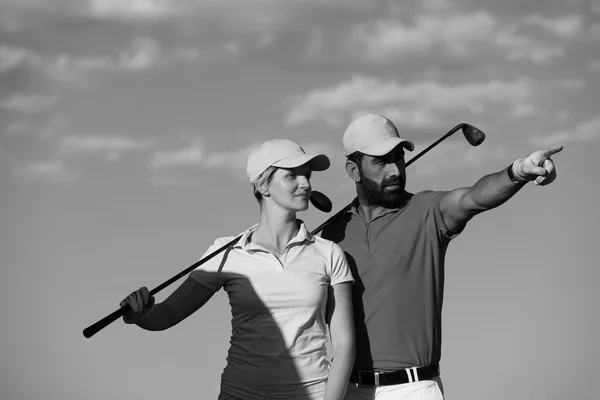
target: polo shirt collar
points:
(354, 210)
(302, 235)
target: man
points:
(395, 243)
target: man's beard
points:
(376, 194)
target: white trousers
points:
(422, 390)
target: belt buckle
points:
(376, 378)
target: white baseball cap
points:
(373, 135)
(282, 153)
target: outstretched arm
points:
(462, 204)
(341, 327)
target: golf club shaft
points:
(415, 158)
(431, 146)
(104, 322)
(95, 328)
(320, 201)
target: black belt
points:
(375, 378)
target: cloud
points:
(458, 34)
(564, 26)
(389, 38)
(141, 54)
(53, 172)
(32, 103)
(147, 53)
(144, 9)
(186, 157)
(110, 148)
(417, 104)
(594, 65)
(571, 84)
(12, 57)
(587, 131)
(518, 47)
(196, 155)
(457, 155)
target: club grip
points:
(104, 322)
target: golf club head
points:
(473, 135)
(320, 201)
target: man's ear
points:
(353, 170)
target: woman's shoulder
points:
(327, 245)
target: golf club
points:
(318, 199)
(321, 202)
(473, 135)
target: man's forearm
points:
(492, 190)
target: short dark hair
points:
(357, 158)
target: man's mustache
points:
(391, 182)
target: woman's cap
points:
(282, 153)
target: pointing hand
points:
(538, 167)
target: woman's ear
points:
(263, 189)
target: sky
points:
(124, 132)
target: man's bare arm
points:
(460, 205)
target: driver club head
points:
(320, 201)
(473, 135)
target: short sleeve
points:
(339, 268)
(210, 273)
(436, 217)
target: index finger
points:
(551, 151)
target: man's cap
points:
(282, 153)
(373, 135)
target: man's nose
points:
(393, 169)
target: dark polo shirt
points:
(397, 260)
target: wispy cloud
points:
(52, 172)
(196, 155)
(390, 38)
(584, 132)
(457, 155)
(460, 34)
(417, 104)
(564, 26)
(12, 57)
(110, 148)
(594, 65)
(133, 8)
(31, 103)
(141, 54)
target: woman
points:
(285, 286)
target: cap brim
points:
(383, 147)
(318, 162)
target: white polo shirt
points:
(278, 310)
